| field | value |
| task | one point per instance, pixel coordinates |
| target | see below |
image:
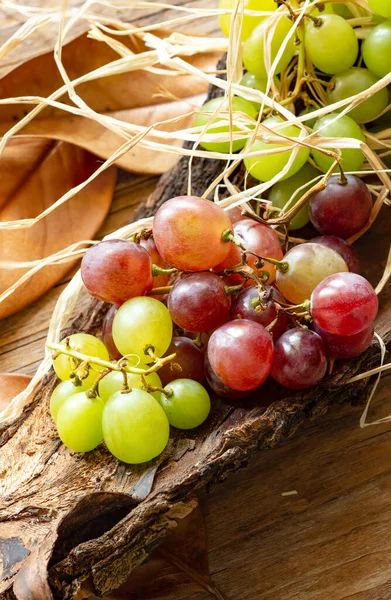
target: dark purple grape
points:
(189, 358)
(198, 302)
(344, 249)
(243, 309)
(107, 333)
(345, 346)
(299, 359)
(341, 209)
(218, 387)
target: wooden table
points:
(326, 540)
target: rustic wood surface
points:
(330, 539)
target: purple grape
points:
(188, 357)
(345, 346)
(243, 309)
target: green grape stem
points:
(197, 342)
(152, 388)
(159, 271)
(231, 289)
(160, 291)
(93, 391)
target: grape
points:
(114, 381)
(376, 49)
(344, 304)
(135, 427)
(150, 246)
(219, 388)
(351, 158)
(341, 209)
(345, 346)
(268, 166)
(254, 48)
(249, 21)
(241, 353)
(187, 232)
(198, 302)
(79, 422)
(61, 393)
(352, 82)
(344, 249)
(235, 214)
(189, 405)
(86, 344)
(260, 239)
(251, 81)
(309, 122)
(141, 322)
(299, 359)
(239, 105)
(282, 191)
(243, 309)
(107, 333)
(309, 264)
(116, 270)
(381, 7)
(331, 44)
(187, 364)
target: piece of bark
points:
(72, 522)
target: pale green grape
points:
(238, 105)
(140, 322)
(249, 21)
(376, 49)
(62, 392)
(266, 167)
(351, 158)
(79, 422)
(352, 82)
(251, 81)
(86, 344)
(332, 46)
(113, 382)
(381, 7)
(254, 48)
(135, 427)
(282, 191)
(189, 405)
(310, 122)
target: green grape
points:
(251, 81)
(140, 322)
(62, 392)
(249, 21)
(381, 7)
(331, 46)
(376, 49)
(351, 158)
(310, 122)
(189, 405)
(266, 167)
(352, 82)
(113, 382)
(254, 51)
(79, 422)
(86, 344)
(135, 427)
(282, 191)
(238, 105)
(342, 10)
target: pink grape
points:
(241, 354)
(346, 346)
(197, 302)
(235, 214)
(150, 246)
(260, 239)
(344, 304)
(343, 248)
(189, 358)
(219, 388)
(116, 270)
(299, 359)
(188, 233)
(341, 209)
(107, 333)
(243, 309)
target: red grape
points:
(117, 270)
(189, 358)
(198, 302)
(187, 231)
(344, 249)
(346, 346)
(299, 359)
(241, 354)
(243, 309)
(107, 333)
(219, 388)
(235, 214)
(260, 239)
(341, 209)
(344, 304)
(150, 246)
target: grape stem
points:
(144, 234)
(120, 366)
(160, 271)
(282, 266)
(160, 291)
(231, 289)
(152, 388)
(198, 341)
(93, 391)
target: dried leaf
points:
(33, 174)
(11, 384)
